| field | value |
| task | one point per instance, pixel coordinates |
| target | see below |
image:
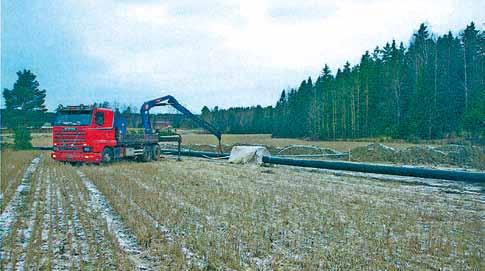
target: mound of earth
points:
(374, 152)
(447, 155)
(305, 150)
(226, 147)
(455, 155)
(288, 150)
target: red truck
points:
(90, 134)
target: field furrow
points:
(30, 220)
(13, 165)
(128, 242)
(192, 258)
(78, 232)
(10, 213)
(52, 225)
(44, 238)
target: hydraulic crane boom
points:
(169, 100)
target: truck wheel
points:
(156, 152)
(107, 156)
(147, 154)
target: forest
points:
(432, 88)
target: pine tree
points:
(25, 94)
(25, 107)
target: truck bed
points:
(134, 139)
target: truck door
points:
(103, 133)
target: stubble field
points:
(189, 138)
(206, 214)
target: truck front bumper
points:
(85, 157)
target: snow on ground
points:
(267, 217)
(56, 228)
(79, 232)
(26, 233)
(9, 215)
(165, 231)
(204, 213)
(127, 241)
(444, 186)
(46, 219)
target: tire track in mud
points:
(10, 213)
(126, 240)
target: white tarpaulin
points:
(248, 154)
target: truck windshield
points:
(73, 119)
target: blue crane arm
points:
(169, 100)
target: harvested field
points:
(12, 167)
(38, 139)
(206, 214)
(239, 217)
(194, 139)
(266, 139)
(41, 139)
(56, 227)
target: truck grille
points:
(70, 140)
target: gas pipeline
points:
(420, 172)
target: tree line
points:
(239, 120)
(433, 88)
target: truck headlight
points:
(87, 149)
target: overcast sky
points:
(216, 52)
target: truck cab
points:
(83, 134)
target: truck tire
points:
(147, 154)
(107, 156)
(156, 152)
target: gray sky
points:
(216, 52)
